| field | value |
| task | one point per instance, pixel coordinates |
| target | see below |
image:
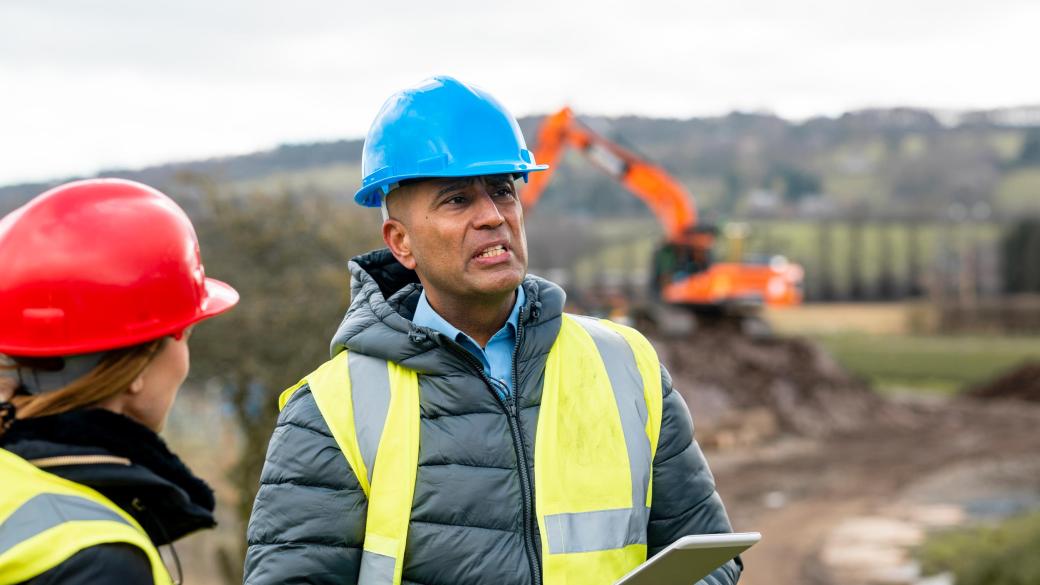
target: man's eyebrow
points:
(499, 180)
(453, 186)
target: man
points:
(466, 430)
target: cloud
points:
(106, 83)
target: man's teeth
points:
(492, 251)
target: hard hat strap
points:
(38, 380)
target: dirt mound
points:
(1021, 383)
(742, 390)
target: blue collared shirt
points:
(497, 357)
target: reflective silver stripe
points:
(376, 569)
(45, 511)
(594, 531)
(627, 383)
(370, 393)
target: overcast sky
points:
(93, 84)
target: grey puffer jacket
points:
(471, 520)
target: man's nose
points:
(487, 212)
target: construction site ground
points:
(842, 480)
(849, 508)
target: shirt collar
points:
(425, 316)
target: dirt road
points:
(797, 491)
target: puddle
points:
(876, 549)
(989, 509)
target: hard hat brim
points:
(371, 195)
(220, 297)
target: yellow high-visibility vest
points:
(595, 442)
(45, 519)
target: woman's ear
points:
(8, 386)
(138, 384)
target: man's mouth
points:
(490, 252)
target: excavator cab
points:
(675, 261)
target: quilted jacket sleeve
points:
(684, 497)
(308, 520)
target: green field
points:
(627, 244)
(882, 343)
(1019, 190)
(943, 364)
(879, 244)
(338, 178)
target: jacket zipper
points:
(513, 417)
(521, 456)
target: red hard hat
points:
(100, 264)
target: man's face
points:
(463, 236)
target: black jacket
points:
(130, 465)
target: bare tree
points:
(286, 254)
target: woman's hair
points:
(114, 374)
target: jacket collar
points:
(426, 316)
(123, 460)
(384, 296)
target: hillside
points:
(901, 161)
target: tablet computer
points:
(690, 559)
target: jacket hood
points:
(384, 295)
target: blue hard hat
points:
(440, 128)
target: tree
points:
(1021, 257)
(286, 254)
(1030, 153)
(793, 183)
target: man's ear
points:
(396, 237)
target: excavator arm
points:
(684, 272)
(669, 201)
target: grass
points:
(821, 319)
(802, 242)
(1020, 190)
(878, 342)
(342, 178)
(943, 364)
(1005, 554)
(1007, 144)
(847, 187)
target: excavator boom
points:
(669, 201)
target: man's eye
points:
(504, 192)
(456, 200)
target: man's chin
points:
(502, 285)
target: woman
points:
(101, 284)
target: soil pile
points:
(742, 390)
(1021, 383)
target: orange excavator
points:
(684, 271)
